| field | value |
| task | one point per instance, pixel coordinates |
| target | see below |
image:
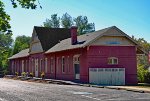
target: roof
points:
(51, 36)
(83, 40)
(23, 53)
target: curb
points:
(116, 88)
(128, 89)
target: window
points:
(22, 65)
(57, 64)
(32, 65)
(68, 64)
(51, 65)
(112, 60)
(63, 64)
(27, 66)
(45, 65)
(41, 65)
(12, 67)
(76, 59)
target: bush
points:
(31, 74)
(16, 73)
(147, 77)
(5, 72)
(42, 75)
(23, 74)
(143, 74)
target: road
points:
(15, 90)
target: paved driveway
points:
(14, 90)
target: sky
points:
(131, 16)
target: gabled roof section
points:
(23, 53)
(51, 36)
(87, 39)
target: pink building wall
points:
(90, 57)
(38, 56)
(98, 57)
(69, 72)
(17, 65)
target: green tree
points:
(5, 49)
(21, 42)
(54, 22)
(142, 73)
(83, 25)
(142, 61)
(66, 21)
(5, 18)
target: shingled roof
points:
(23, 53)
(86, 39)
(83, 40)
(51, 36)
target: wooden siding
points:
(98, 58)
(35, 46)
(113, 41)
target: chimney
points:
(74, 35)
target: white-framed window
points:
(51, 64)
(63, 64)
(45, 65)
(68, 63)
(76, 59)
(22, 65)
(112, 60)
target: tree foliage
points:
(5, 30)
(142, 61)
(67, 21)
(5, 18)
(21, 42)
(28, 4)
(83, 25)
(5, 49)
(54, 22)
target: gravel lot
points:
(15, 90)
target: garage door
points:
(107, 76)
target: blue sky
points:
(131, 16)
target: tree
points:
(21, 42)
(142, 61)
(5, 49)
(5, 18)
(66, 21)
(54, 22)
(83, 25)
